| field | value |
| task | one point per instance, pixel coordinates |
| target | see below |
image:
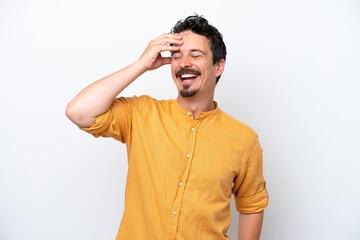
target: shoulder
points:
(143, 103)
(236, 125)
(137, 100)
(237, 130)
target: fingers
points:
(169, 39)
(165, 48)
(169, 36)
(151, 57)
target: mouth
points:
(187, 76)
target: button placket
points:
(189, 153)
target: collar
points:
(188, 115)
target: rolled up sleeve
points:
(249, 187)
(115, 122)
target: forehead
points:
(192, 40)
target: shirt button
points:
(189, 114)
(188, 155)
(192, 129)
(181, 184)
(175, 212)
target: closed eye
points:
(176, 55)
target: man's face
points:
(192, 66)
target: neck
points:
(196, 105)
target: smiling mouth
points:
(187, 76)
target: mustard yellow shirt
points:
(182, 171)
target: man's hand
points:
(151, 58)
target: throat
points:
(196, 105)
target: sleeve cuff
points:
(252, 204)
(98, 126)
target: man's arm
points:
(250, 226)
(97, 98)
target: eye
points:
(196, 56)
(176, 56)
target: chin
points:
(186, 93)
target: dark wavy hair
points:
(199, 25)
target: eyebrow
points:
(192, 51)
(198, 50)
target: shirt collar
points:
(188, 115)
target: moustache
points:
(187, 71)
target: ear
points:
(220, 66)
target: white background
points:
(292, 74)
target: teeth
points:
(188, 76)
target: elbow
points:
(77, 117)
(71, 113)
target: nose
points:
(185, 62)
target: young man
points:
(185, 156)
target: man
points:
(185, 156)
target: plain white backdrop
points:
(292, 74)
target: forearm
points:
(97, 98)
(250, 226)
